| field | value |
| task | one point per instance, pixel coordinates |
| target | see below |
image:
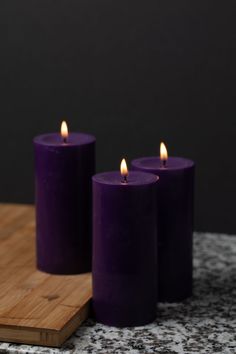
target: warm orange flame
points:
(64, 130)
(123, 168)
(163, 152)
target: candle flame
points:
(64, 130)
(163, 152)
(123, 168)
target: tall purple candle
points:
(124, 248)
(175, 224)
(63, 169)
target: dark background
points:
(132, 73)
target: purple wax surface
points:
(154, 164)
(134, 178)
(124, 249)
(63, 197)
(175, 224)
(73, 139)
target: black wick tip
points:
(164, 163)
(124, 179)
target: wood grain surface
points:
(35, 307)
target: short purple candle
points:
(63, 170)
(124, 249)
(175, 224)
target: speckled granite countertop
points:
(206, 323)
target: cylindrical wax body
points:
(124, 249)
(175, 224)
(63, 174)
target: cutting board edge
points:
(75, 322)
(44, 336)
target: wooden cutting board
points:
(35, 307)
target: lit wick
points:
(124, 171)
(125, 179)
(163, 155)
(64, 132)
(163, 162)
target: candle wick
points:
(64, 140)
(125, 179)
(163, 163)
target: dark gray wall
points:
(132, 73)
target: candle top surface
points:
(154, 163)
(134, 178)
(55, 139)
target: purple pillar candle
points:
(124, 248)
(63, 168)
(175, 224)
